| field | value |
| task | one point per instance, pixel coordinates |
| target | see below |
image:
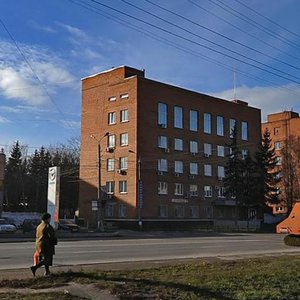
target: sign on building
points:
(53, 194)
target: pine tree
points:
(268, 174)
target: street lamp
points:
(100, 224)
(140, 191)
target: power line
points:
(265, 17)
(221, 35)
(243, 31)
(204, 46)
(253, 23)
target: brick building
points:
(163, 149)
(282, 126)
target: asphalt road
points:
(155, 247)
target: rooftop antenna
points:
(234, 85)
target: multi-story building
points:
(162, 149)
(283, 127)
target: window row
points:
(179, 189)
(162, 166)
(111, 140)
(178, 116)
(112, 117)
(122, 97)
(178, 211)
(110, 187)
(122, 163)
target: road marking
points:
(93, 251)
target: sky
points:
(244, 49)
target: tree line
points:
(26, 178)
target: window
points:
(178, 117)
(111, 118)
(278, 160)
(111, 141)
(193, 120)
(162, 188)
(178, 166)
(220, 126)
(193, 168)
(124, 96)
(178, 189)
(207, 149)
(162, 114)
(244, 153)
(245, 131)
(207, 191)
(208, 211)
(277, 145)
(162, 142)
(220, 151)
(193, 190)
(232, 124)
(207, 123)
(124, 115)
(220, 191)
(179, 211)
(207, 170)
(109, 210)
(124, 139)
(162, 165)
(193, 147)
(123, 186)
(123, 163)
(221, 172)
(178, 144)
(112, 98)
(163, 211)
(276, 130)
(110, 164)
(122, 210)
(194, 211)
(110, 187)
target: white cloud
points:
(71, 124)
(268, 99)
(4, 120)
(18, 80)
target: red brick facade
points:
(126, 88)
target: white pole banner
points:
(53, 194)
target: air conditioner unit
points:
(160, 173)
(109, 149)
(206, 155)
(176, 174)
(122, 172)
(163, 125)
(220, 178)
(109, 196)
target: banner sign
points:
(53, 194)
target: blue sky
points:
(47, 46)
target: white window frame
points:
(124, 115)
(221, 172)
(111, 141)
(123, 187)
(124, 163)
(162, 188)
(112, 118)
(194, 190)
(194, 116)
(207, 170)
(244, 131)
(207, 191)
(162, 165)
(220, 191)
(220, 151)
(109, 210)
(163, 211)
(178, 117)
(112, 98)
(124, 139)
(179, 211)
(207, 149)
(162, 114)
(178, 144)
(220, 126)
(124, 96)
(194, 168)
(207, 123)
(162, 142)
(178, 166)
(232, 124)
(194, 211)
(110, 187)
(277, 145)
(178, 189)
(110, 164)
(194, 147)
(122, 210)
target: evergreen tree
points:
(267, 172)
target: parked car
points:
(30, 225)
(6, 227)
(70, 225)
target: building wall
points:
(143, 131)
(282, 126)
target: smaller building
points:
(283, 127)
